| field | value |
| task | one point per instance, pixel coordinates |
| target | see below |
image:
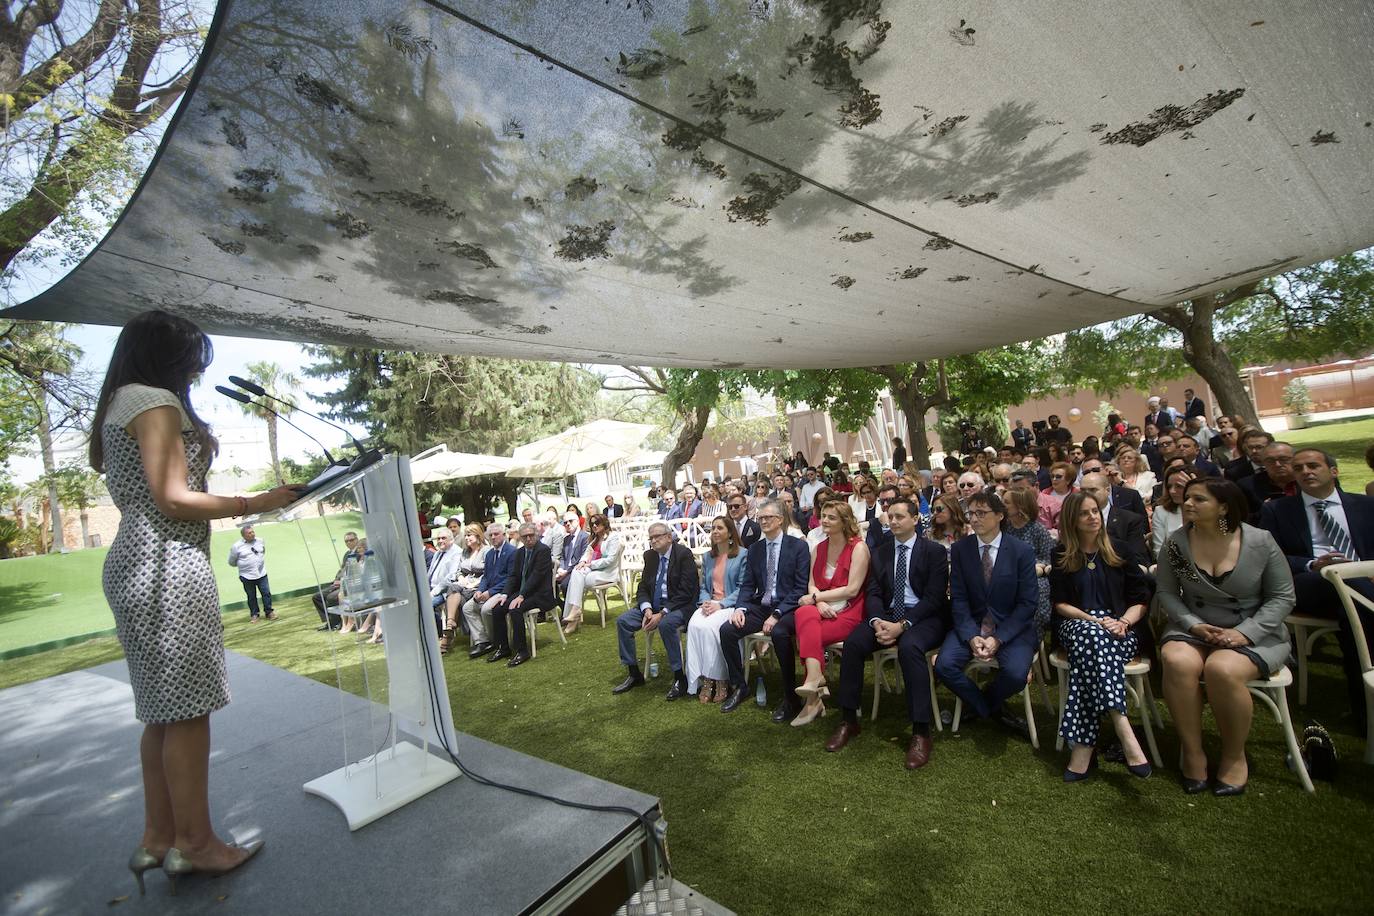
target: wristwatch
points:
(906, 624)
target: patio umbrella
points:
(438, 463)
(580, 448)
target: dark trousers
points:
(514, 638)
(912, 646)
(251, 587)
(1013, 660)
(325, 597)
(730, 636)
(1318, 597)
(785, 646)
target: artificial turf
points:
(764, 821)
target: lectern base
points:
(394, 777)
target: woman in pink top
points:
(1052, 497)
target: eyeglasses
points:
(968, 485)
(737, 505)
(979, 513)
(1058, 476)
(1001, 480)
(764, 516)
(939, 509)
(886, 502)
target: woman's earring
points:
(1222, 526)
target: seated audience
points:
(1135, 475)
(668, 507)
(993, 594)
(1274, 481)
(611, 510)
(1253, 441)
(1191, 453)
(830, 609)
(1226, 590)
(327, 596)
(578, 517)
(904, 608)
(496, 569)
(1099, 595)
(687, 500)
(970, 482)
(665, 600)
(746, 529)
(598, 565)
(472, 561)
(1127, 529)
(864, 502)
(775, 578)
(574, 545)
(1168, 517)
(795, 526)
(530, 586)
(1023, 524)
(632, 509)
(442, 567)
(1317, 528)
(711, 503)
(722, 568)
(1226, 448)
(947, 521)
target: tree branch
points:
(71, 60)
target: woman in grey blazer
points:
(1226, 589)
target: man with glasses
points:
(748, 529)
(328, 596)
(905, 608)
(574, 545)
(1252, 443)
(970, 482)
(1127, 498)
(878, 530)
(1274, 482)
(496, 569)
(993, 594)
(530, 586)
(777, 571)
(1001, 477)
(667, 595)
(443, 567)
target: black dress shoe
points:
(322, 627)
(1014, 724)
(1225, 789)
(677, 691)
(482, 648)
(786, 712)
(517, 660)
(630, 683)
(735, 700)
(1193, 786)
(498, 655)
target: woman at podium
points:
(155, 452)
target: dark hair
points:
(732, 545)
(989, 501)
(1169, 473)
(157, 349)
(1369, 455)
(1231, 497)
(910, 504)
(1329, 458)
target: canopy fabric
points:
(438, 463)
(578, 448)
(738, 183)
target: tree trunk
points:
(272, 448)
(59, 543)
(907, 391)
(1196, 322)
(688, 438)
(85, 527)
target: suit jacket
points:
(1254, 599)
(535, 585)
(1162, 419)
(1240, 467)
(573, 548)
(496, 568)
(443, 566)
(1128, 498)
(615, 510)
(794, 575)
(682, 580)
(749, 532)
(1127, 530)
(1022, 438)
(1258, 490)
(1194, 408)
(690, 511)
(669, 512)
(1286, 519)
(1126, 585)
(1204, 466)
(928, 571)
(1008, 601)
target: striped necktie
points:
(1335, 531)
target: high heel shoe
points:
(807, 691)
(805, 718)
(1190, 786)
(175, 864)
(1140, 770)
(1225, 789)
(141, 861)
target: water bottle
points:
(350, 583)
(373, 581)
(760, 693)
(653, 667)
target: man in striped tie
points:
(1319, 526)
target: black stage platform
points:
(71, 813)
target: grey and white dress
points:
(157, 576)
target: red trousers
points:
(815, 632)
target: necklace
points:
(1092, 560)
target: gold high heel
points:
(805, 719)
(175, 864)
(141, 861)
(571, 623)
(808, 691)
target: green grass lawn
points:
(58, 596)
(763, 820)
(1346, 440)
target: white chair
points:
(1306, 631)
(1137, 688)
(978, 665)
(601, 594)
(532, 622)
(1274, 694)
(1336, 575)
(755, 645)
(649, 647)
(885, 656)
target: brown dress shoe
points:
(843, 735)
(918, 752)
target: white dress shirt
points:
(1335, 509)
(250, 558)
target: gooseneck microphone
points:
(245, 399)
(365, 457)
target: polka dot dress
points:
(157, 576)
(1097, 675)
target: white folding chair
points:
(885, 656)
(1337, 574)
(532, 622)
(1306, 631)
(1274, 694)
(978, 665)
(1137, 688)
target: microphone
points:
(245, 399)
(253, 387)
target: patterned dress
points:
(157, 576)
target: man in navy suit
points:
(1193, 405)
(667, 595)
(1190, 451)
(877, 525)
(776, 573)
(748, 529)
(908, 613)
(1127, 498)
(530, 586)
(574, 545)
(993, 593)
(1318, 527)
(496, 570)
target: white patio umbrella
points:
(579, 448)
(438, 463)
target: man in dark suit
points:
(1021, 437)
(1193, 405)
(1319, 527)
(1252, 444)
(749, 531)
(877, 526)
(1127, 529)
(993, 594)
(905, 608)
(496, 569)
(1274, 482)
(1127, 498)
(665, 600)
(1190, 451)
(776, 573)
(574, 545)
(530, 586)
(1161, 419)
(613, 509)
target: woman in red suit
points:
(833, 604)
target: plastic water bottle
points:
(373, 581)
(760, 693)
(351, 583)
(653, 667)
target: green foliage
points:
(1133, 353)
(1296, 397)
(991, 425)
(9, 536)
(78, 486)
(1104, 410)
(37, 368)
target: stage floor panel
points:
(71, 809)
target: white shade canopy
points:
(438, 463)
(744, 183)
(578, 448)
